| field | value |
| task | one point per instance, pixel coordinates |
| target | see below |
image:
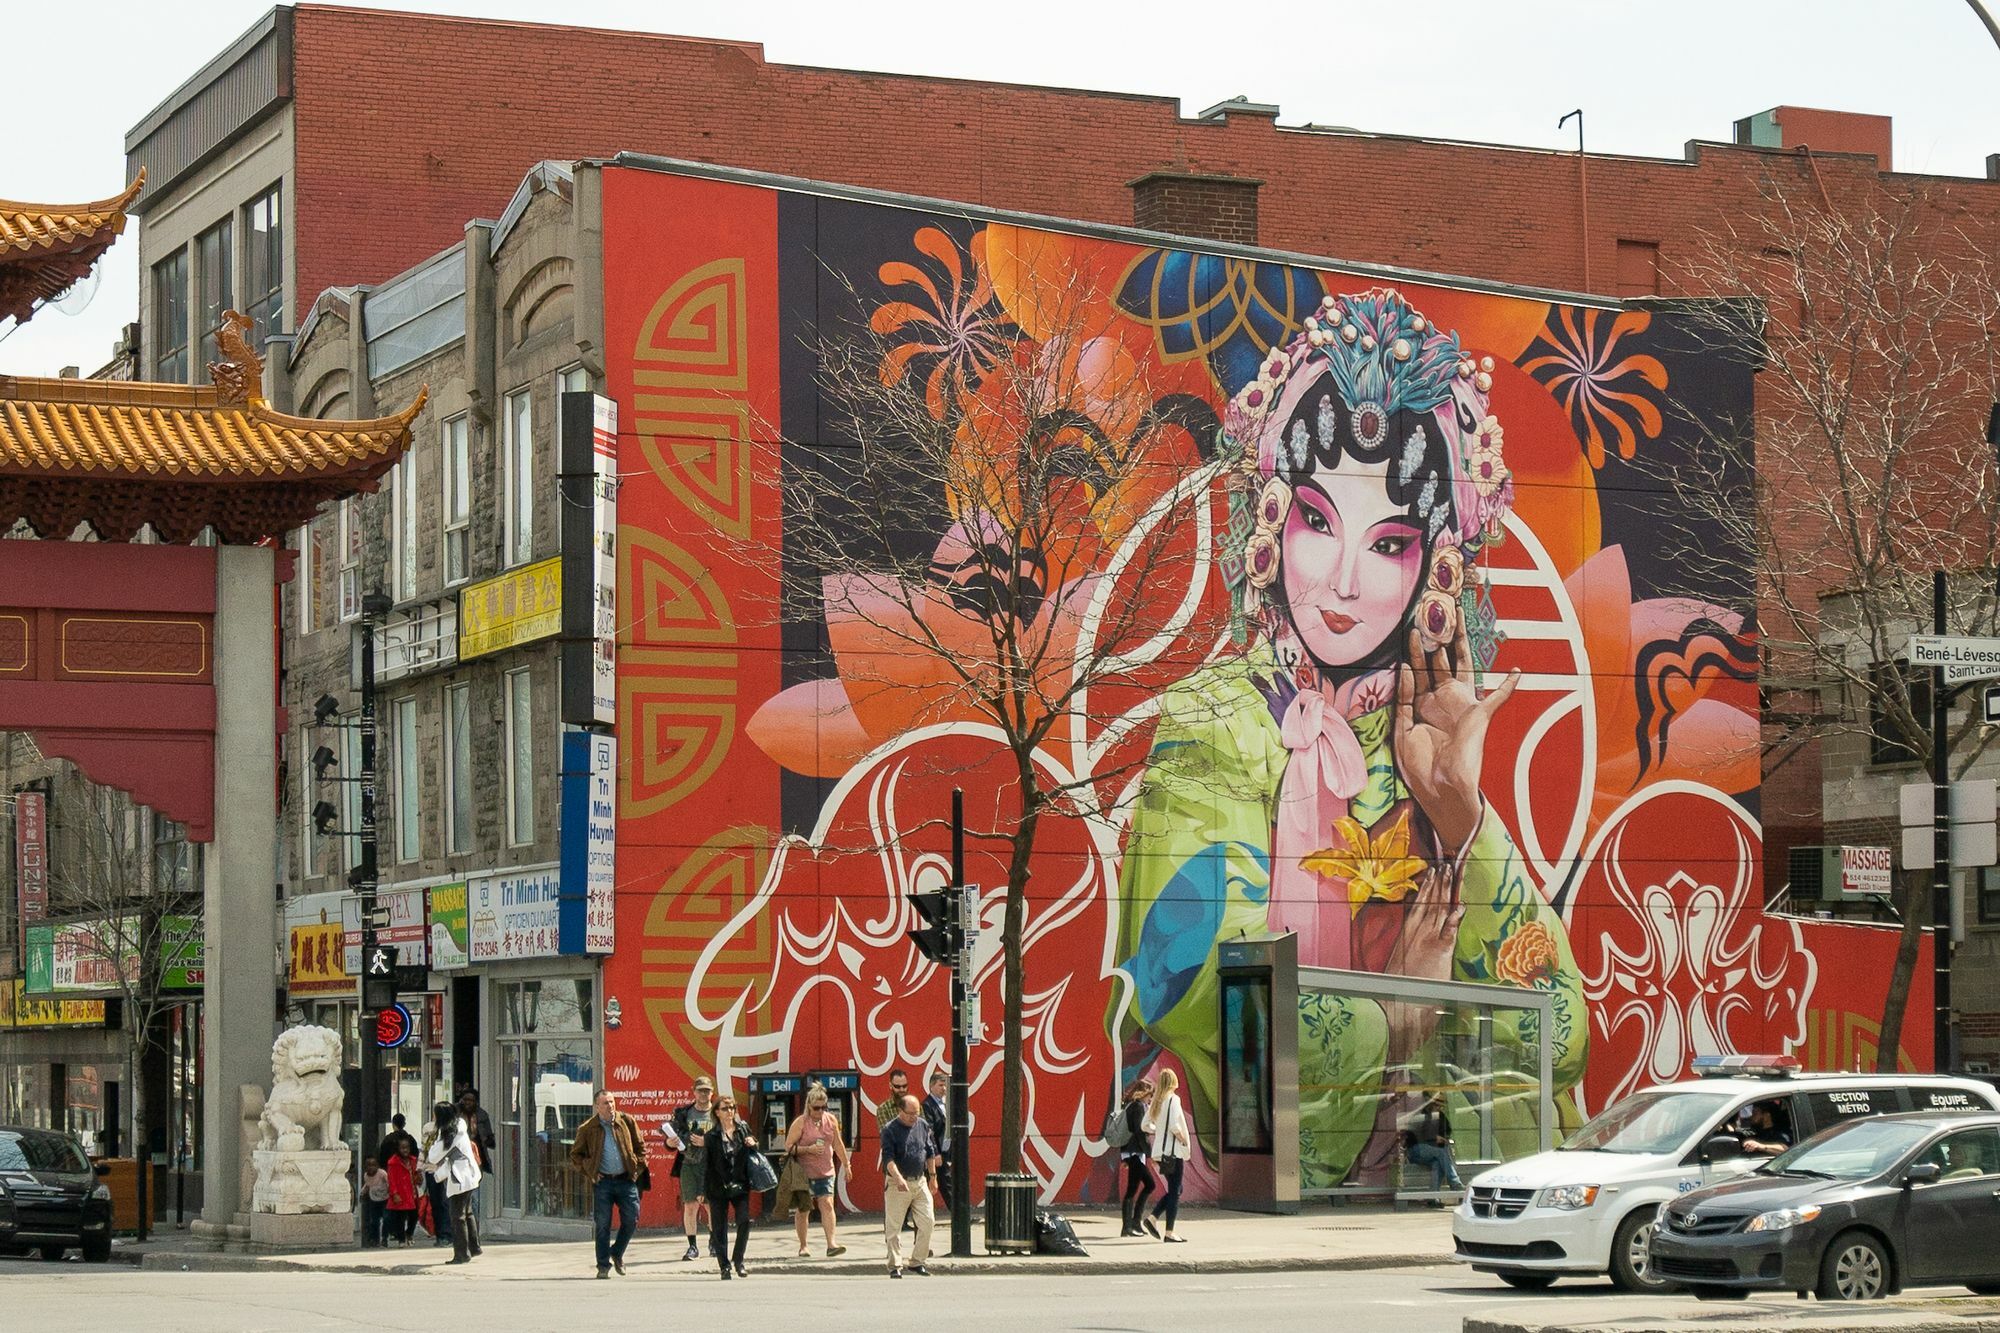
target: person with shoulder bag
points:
(814, 1144)
(452, 1162)
(1167, 1123)
(610, 1150)
(726, 1161)
(1125, 1132)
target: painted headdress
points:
(1371, 377)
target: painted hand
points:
(1440, 736)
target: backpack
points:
(1117, 1128)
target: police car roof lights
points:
(1746, 1066)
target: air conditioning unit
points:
(1814, 874)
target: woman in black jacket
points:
(728, 1185)
(1136, 1157)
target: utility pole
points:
(960, 1111)
(363, 878)
(1940, 842)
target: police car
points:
(1588, 1207)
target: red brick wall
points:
(1219, 208)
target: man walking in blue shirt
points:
(909, 1175)
(610, 1149)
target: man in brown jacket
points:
(611, 1151)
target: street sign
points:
(379, 960)
(378, 976)
(1955, 652)
(393, 1027)
(1973, 801)
(972, 1036)
(1992, 704)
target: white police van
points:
(1588, 1207)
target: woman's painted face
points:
(1351, 558)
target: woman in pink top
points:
(814, 1143)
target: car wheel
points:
(1711, 1293)
(1631, 1263)
(53, 1253)
(1856, 1268)
(1529, 1281)
(97, 1250)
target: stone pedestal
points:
(302, 1183)
(300, 1231)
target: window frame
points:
(518, 710)
(169, 277)
(208, 313)
(403, 532)
(409, 781)
(347, 558)
(517, 489)
(455, 490)
(266, 307)
(349, 804)
(1884, 750)
(458, 769)
(1986, 896)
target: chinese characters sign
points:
(319, 962)
(31, 854)
(515, 915)
(518, 607)
(589, 826)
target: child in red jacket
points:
(405, 1173)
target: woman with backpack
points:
(1124, 1130)
(1167, 1123)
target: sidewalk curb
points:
(1861, 1319)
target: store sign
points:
(589, 827)
(518, 607)
(319, 962)
(449, 933)
(515, 915)
(31, 854)
(18, 1011)
(101, 956)
(1865, 871)
(407, 928)
(588, 450)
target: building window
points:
(408, 785)
(458, 769)
(176, 861)
(457, 501)
(520, 760)
(349, 537)
(518, 454)
(170, 319)
(350, 792)
(1889, 741)
(1638, 268)
(309, 845)
(264, 266)
(575, 379)
(211, 262)
(308, 570)
(405, 498)
(1989, 896)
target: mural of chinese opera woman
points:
(1326, 778)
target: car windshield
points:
(1650, 1122)
(1854, 1151)
(27, 1150)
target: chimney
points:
(1188, 203)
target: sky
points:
(1649, 75)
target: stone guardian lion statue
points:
(305, 1090)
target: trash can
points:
(1010, 1213)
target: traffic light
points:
(323, 816)
(378, 976)
(322, 760)
(934, 938)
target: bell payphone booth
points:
(1259, 1111)
(774, 1100)
(843, 1098)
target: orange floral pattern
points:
(1605, 393)
(1528, 957)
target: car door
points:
(1952, 1225)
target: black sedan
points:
(50, 1196)
(1862, 1210)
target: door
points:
(1953, 1224)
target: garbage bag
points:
(1054, 1235)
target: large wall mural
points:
(1428, 689)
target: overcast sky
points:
(1650, 75)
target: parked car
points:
(1589, 1206)
(1858, 1212)
(50, 1196)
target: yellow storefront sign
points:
(18, 1011)
(319, 961)
(518, 607)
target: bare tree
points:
(123, 924)
(1073, 494)
(1871, 319)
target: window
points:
(1638, 268)
(518, 455)
(309, 842)
(520, 760)
(457, 501)
(1988, 889)
(176, 861)
(170, 319)
(405, 499)
(458, 769)
(308, 570)
(264, 266)
(350, 792)
(573, 380)
(1967, 1155)
(350, 560)
(408, 785)
(1889, 741)
(211, 263)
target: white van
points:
(1587, 1208)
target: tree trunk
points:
(1905, 970)
(1013, 1083)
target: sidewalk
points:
(1317, 1239)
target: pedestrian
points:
(611, 1151)
(687, 1135)
(404, 1169)
(1167, 1123)
(1137, 1156)
(454, 1161)
(392, 1142)
(937, 1114)
(909, 1175)
(814, 1144)
(374, 1202)
(440, 1201)
(1429, 1144)
(479, 1132)
(726, 1184)
(892, 1106)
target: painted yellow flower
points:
(1378, 867)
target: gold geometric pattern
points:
(668, 596)
(700, 329)
(699, 448)
(693, 905)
